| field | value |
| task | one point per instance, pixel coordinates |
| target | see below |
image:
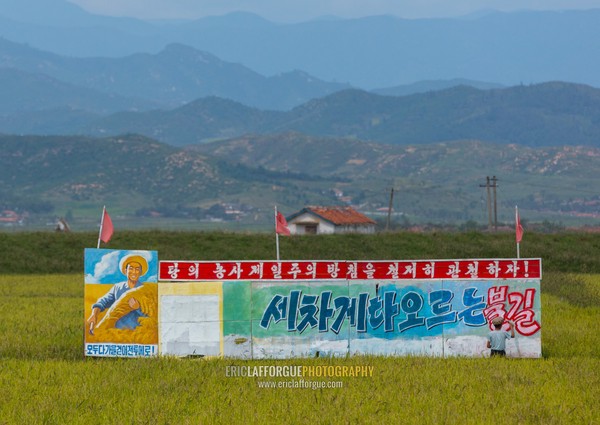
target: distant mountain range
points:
(433, 183)
(434, 85)
(550, 114)
(373, 52)
(173, 77)
(22, 91)
(185, 96)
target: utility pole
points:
(491, 184)
(494, 185)
(489, 201)
(389, 216)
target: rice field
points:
(44, 378)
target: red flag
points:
(281, 226)
(518, 227)
(107, 228)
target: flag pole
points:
(101, 225)
(517, 224)
(276, 234)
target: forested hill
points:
(438, 182)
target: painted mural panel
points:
(237, 324)
(519, 302)
(395, 318)
(387, 317)
(205, 319)
(300, 319)
(476, 304)
(465, 328)
(297, 309)
(120, 303)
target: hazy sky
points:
(298, 10)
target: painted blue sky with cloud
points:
(102, 265)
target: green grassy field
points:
(44, 377)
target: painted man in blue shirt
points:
(134, 267)
(497, 338)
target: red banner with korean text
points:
(473, 269)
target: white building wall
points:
(325, 227)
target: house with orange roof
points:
(10, 218)
(315, 220)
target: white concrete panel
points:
(190, 325)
